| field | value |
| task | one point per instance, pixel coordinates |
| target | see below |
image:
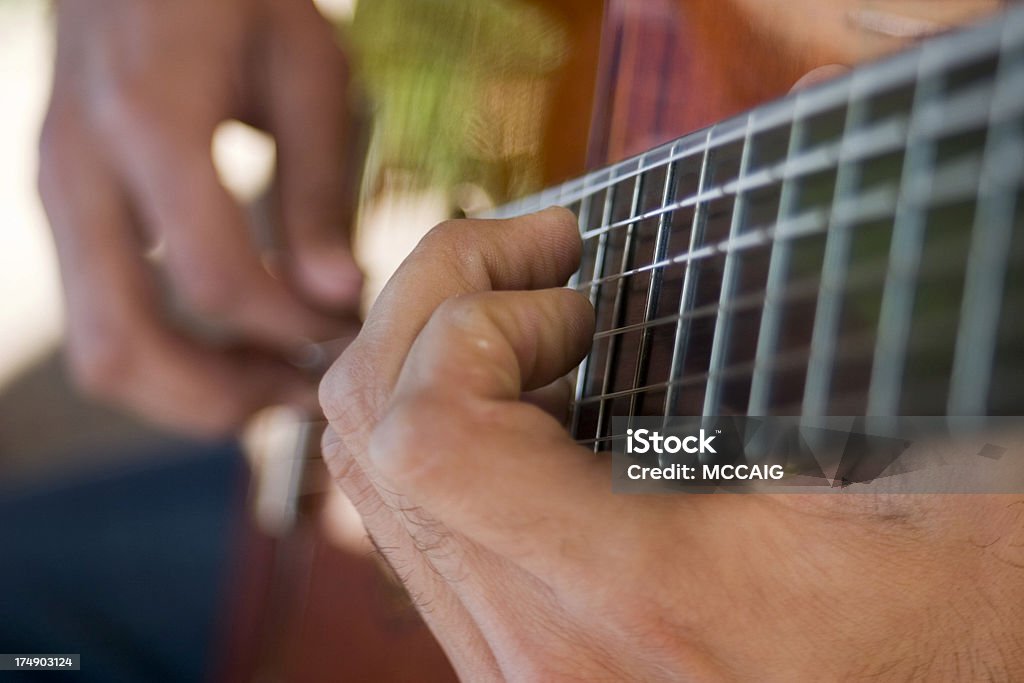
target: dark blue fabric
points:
(127, 569)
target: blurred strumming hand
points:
(126, 164)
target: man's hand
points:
(126, 165)
(527, 567)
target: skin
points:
(527, 567)
(125, 165)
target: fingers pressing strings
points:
(470, 360)
(460, 257)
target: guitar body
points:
(641, 74)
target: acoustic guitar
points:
(855, 248)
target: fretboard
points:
(853, 249)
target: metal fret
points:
(618, 308)
(682, 335)
(720, 341)
(834, 268)
(654, 287)
(778, 270)
(991, 240)
(905, 254)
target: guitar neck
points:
(854, 248)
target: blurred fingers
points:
(320, 145)
(118, 346)
(210, 256)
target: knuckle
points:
(463, 245)
(124, 111)
(350, 396)
(123, 105)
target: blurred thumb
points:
(319, 155)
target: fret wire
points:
(835, 266)
(721, 337)
(988, 256)
(908, 234)
(778, 270)
(583, 374)
(654, 287)
(692, 268)
(619, 307)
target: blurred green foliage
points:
(458, 89)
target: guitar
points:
(855, 248)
